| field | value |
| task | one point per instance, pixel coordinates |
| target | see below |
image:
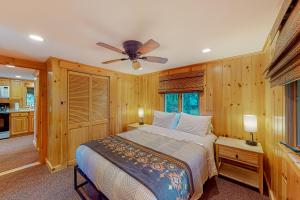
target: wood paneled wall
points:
(233, 87)
(276, 159)
(124, 92)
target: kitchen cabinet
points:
(19, 123)
(4, 82)
(16, 89)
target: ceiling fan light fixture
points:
(136, 65)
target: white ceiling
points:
(26, 74)
(182, 27)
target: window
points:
(171, 102)
(190, 103)
(293, 113)
(30, 97)
(187, 102)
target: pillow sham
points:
(176, 120)
(164, 119)
(197, 125)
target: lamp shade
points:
(250, 123)
(141, 112)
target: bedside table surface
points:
(239, 144)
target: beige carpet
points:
(17, 152)
(38, 183)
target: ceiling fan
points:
(135, 51)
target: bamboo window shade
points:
(182, 82)
(285, 66)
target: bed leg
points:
(75, 177)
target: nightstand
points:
(134, 126)
(239, 161)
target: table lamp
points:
(141, 116)
(250, 125)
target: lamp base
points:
(141, 123)
(251, 143)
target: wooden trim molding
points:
(18, 62)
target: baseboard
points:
(19, 168)
(271, 194)
(52, 168)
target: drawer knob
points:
(236, 156)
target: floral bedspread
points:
(167, 177)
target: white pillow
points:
(197, 125)
(176, 120)
(163, 119)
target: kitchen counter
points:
(17, 111)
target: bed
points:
(196, 151)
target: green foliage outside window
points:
(171, 102)
(189, 100)
(190, 103)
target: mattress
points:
(117, 184)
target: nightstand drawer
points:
(239, 155)
(248, 157)
(227, 152)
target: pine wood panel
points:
(232, 88)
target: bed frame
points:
(77, 187)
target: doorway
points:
(19, 102)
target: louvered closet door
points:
(99, 107)
(78, 112)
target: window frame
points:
(180, 100)
(292, 128)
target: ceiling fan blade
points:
(136, 65)
(113, 61)
(155, 59)
(101, 44)
(150, 45)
